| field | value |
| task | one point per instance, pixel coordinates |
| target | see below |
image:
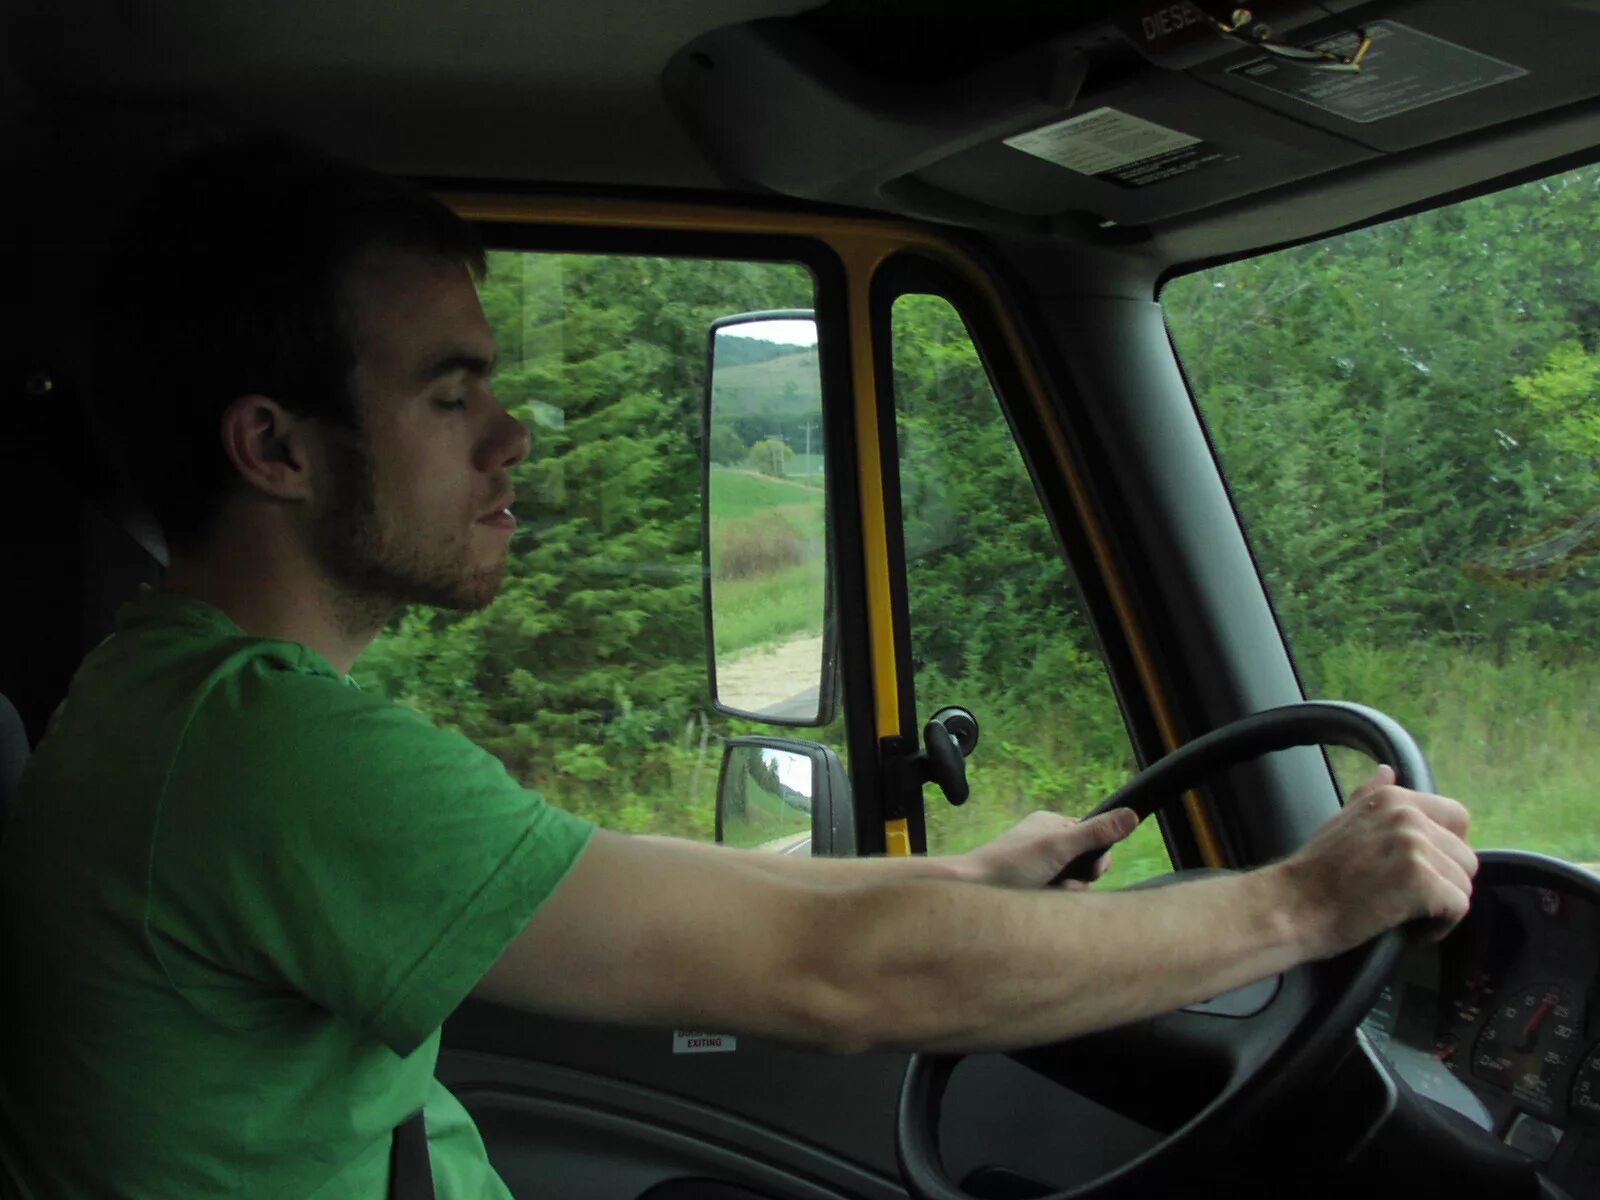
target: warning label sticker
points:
(1161, 167)
(684, 1042)
(1117, 147)
(1404, 70)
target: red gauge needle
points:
(1443, 1054)
(1532, 1027)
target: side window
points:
(587, 676)
(995, 622)
(1409, 419)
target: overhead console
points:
(1102, 119)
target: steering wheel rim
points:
(1319, 1004)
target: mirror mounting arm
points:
(950, 735)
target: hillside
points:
(786, 387)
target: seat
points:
(13, 756)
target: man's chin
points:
(370, 581)
(471, 595)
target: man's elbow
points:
(843, 996)
(826, 1015)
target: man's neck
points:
(279, 595)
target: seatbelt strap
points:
(410, 1173)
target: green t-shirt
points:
(239, 898)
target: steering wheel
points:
(1236, 1056)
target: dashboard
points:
(1500, 1021)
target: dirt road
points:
(776, 680)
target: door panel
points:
(570, 1110)
(839, 1107)
(562, 1134)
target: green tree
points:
(587, 675)
(771, 457)
(1360, 394)
(1563, 394)
(727, 447)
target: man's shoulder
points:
(194, 689)
(266, 696)
(168, 649)
(181, 653)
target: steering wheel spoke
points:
(1115, 1068)
(1221, 1044)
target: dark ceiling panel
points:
(898, 105)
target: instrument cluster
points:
(1501, 1020)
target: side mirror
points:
(769, 630)
(786, 797)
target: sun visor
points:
(1146, 114)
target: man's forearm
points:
(937, 967)
(912, 960)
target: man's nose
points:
(508, 443)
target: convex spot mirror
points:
(785, 797)
(769, 632)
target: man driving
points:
(240, 896)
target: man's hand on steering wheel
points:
(1032, 852)
(1390, 856)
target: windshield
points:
(1409, 420)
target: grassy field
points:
(1517, 742)
(789, 386)
(768, 609)
(767, 559)
(737, 493)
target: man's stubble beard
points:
(373, 576)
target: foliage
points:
(727, 447)
(770, 457)
(1361, 393)
(756, 546)
(587, 675)
(1564, 392)
(1407, 416)
(996, 625)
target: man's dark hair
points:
(226, 281)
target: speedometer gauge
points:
(1586, 1088)
(1531, 1037)
(1458, 1016)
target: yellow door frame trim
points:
(863, 245)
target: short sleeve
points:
(317, 839)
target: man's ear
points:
(268, 446)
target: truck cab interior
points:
(939, 399)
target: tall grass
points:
(767, 609)
(1516, 739)
(758, 545)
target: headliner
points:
(568, 92)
